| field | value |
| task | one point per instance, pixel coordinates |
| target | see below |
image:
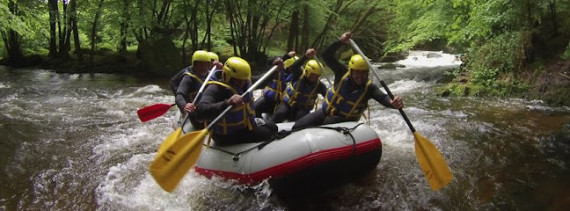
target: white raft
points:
(309, 158)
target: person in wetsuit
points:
(192, 80)
(273, 92)
(300, 94)
(239, 124)
(347, 99)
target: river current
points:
(74, 142)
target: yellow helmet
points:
(238, 68)
(201, 56)
(313, 66)
(357, 62)
(287, 63)
(214, 56)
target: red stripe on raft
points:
(297, 164)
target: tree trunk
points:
(194, 31)
(371, 10)
(53, 11)
(12, 40)
(293, 31)
(331, 20)
(73, 19)
(305, 29)
(552, 8)
(124, 28)
(207, 40)
(64, 45)
(233, 32)
(93, 36)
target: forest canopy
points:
(505, 37)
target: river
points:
(74, 142)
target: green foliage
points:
(417, 24)
(499, 58)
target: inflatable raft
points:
(311, 158)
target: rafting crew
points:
(348, 98)
(301, 92)
(188, 81)
(273, 93)
(239, 125)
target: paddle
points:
(431, 161)
(153, 111)
(170, 166)
(176, 134)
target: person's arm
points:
(322, 89)
(175, 80)
(329, 59)
(212, 103)
(375, 93)
(183, 91)
(296, 69)
(288, 55)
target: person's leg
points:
(262, 133)
(333, 119)
(310, 120)
(258, 134)
(299, 113)
(260, 106)
(195, 123)
(281, 113)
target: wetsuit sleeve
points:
(285, 57)
(296, 69)
(322, 89)
(329, 59)
(212, 103)
(378, 95)
(183, 91)
(175, 80)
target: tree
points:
(249, 21)
(94, 25)
(13, 27)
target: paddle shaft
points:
(198, 95)
(251, 88)
(373, 70)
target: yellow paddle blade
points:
(172, 137)
(169, 167)
(432, 163)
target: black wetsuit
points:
(213, 103)
(286, 112)
(175, 80)
(186, 86)
(319, 117)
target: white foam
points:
(404, 86)
(438, 58)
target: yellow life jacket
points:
(195, 86)
(239, 117)
(302, 96)
(348, 104)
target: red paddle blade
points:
(153, 111)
